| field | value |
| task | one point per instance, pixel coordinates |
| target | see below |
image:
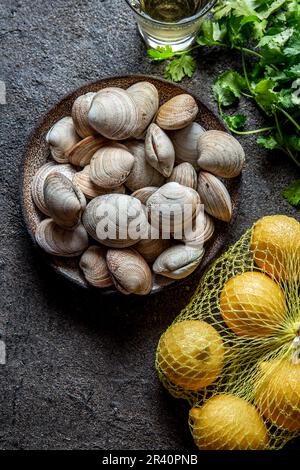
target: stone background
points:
(80, 368)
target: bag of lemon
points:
(234, 351)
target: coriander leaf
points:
(278, 40)
(184, 66)
(228, 86)
(211, 33)
(161, 53)
(235, 122)
(268, 142)
(292, 193)
(292, 141)
(265, 95)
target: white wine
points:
(171, 10)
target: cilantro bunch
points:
(267, 35)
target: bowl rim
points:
(47, 258)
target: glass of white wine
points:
(173, 22)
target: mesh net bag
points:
(234, 351)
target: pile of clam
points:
(121, 147)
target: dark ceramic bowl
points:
(37, 154)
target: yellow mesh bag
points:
(234, 351)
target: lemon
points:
(252, 305)
(276, 245)
(190, 354)
(277, 393)
(227, 422)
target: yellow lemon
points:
(227, 422)
(190, 354)
(277, 393)
(252, 305)
(275, 245)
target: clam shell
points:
(111, 166)
(81, 153)
(214, 196)
(120, 215)
(184, 174)
(38, 181)
(160, 152)
(143, 194)
(94, 267)
(130, 272)
(60, 242)
(83, 181)
(142, 174)
(114, 114)
(152, 246)
(202, 231)
(64, 201)
(80, 112)
(61, 138)
(185, 143)
(146, 98)
(178, 262)
(220, 154)
(173, 207)
(177, 113)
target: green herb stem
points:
(255, 131)
(290, 118)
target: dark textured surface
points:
(79, 372)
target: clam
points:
(160, 152)
(83, 181)
(184, 174)
(202, 230)
(177, 113)
(111, 166)
(185, 143)
(142, 174)
(38, 181)
(130, 272)
(220, 154)
(173, 207)
(146, 98)
(81, 153)
(143, 194)
(94, 267)
(64, 201)
(60, 242)
(214, 196)
(80, 112)
(61, 138)
(152, 246)
(115, 220)
(114, 114)
(178, 262)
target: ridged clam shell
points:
(122, 213)
(214, 196)
(130, 272)
(60, 242)
(152, 246)
(81, 153)
(172, 207)
(142, 174)
(111, 166)
(178, 262)
(83, 181)
(80, 112)
(220, 154)
(61, 138)
(114, 114)
(64, 201)
(143, 194)
(146, 98)
(202, 231)
(185, 143)
(38, 181)
(184, 174)
(94, 267)
(160, 152)
(177, 113)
